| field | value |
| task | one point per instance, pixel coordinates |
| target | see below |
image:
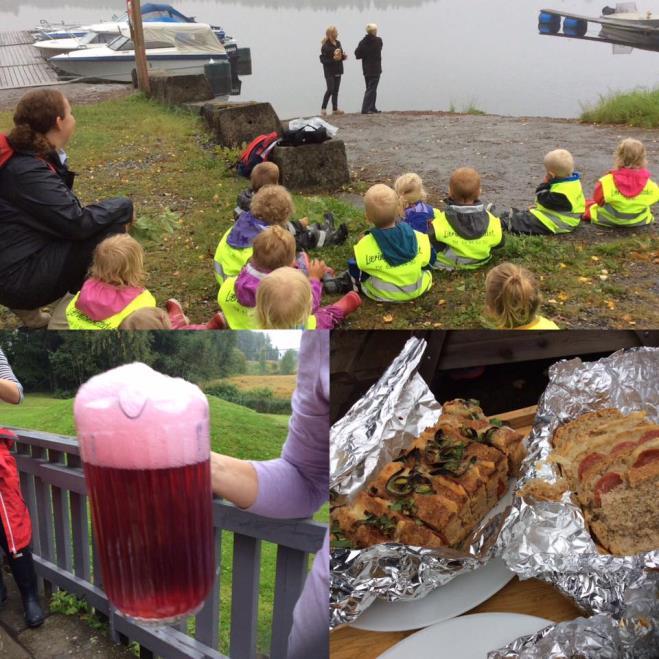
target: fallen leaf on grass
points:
(551, 301)
(610, 304)
(388, 318)
(584, 280)
(562, 265)
(437, 324)
(440, 302)
(594, 258)
(604, 277)
(562, 296)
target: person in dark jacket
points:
(332, 58)
(369, 51)
(15, 523)
(47, 237)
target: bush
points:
(639, 108)
(260, 400)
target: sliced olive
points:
(399, 485)
(488, 435)
(469, 433)
(373, 490)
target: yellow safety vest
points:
(621, 211)
(540, 323)
(229, 261)
(465, 253)
(79, 321)
(393, 283)
(239, 317)
(563, 222)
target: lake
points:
(438, 54)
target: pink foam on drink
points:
(133, 417)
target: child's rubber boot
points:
(22, 567)
(349, 303)
(217, 322)
(342, 283)
(175, 312)
(333, 236)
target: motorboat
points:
(50, 44)
(179, 48)
(622, 26)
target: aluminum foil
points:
(550, 540)
(398, 408)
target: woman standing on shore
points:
(331, 57)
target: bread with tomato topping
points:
(610, 461)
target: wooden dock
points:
(20, 62)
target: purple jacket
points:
(297, 485)
(250, 277)
(246, 228)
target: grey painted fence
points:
(54, 489)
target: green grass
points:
(235, 431)
(184, 196)
(638, 108)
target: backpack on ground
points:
(308, 134)
(257, 151)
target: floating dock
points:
(21, 65)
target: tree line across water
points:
(57, 363)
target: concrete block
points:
(312, 165)
(235, 124)
(176, 90)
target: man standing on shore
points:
(369, 51)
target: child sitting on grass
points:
(560, 201)
(284, 301)
(115, 288)
(623, 197)
(306, 236)
(391, 259)
(153, 318)
(465, 233)
(418, 214)
(274, 248)
(512, 299)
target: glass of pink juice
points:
(144, 443)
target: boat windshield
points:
(90, 37)
(121, 43)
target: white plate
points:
(457, 596)
(466, 637)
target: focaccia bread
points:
(610, 461)
(438, 488)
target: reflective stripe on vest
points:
(79, 321)
(621, 211)
(464, 253)
(229, 261)
(389, 283)
(563, 221)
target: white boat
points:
(179, 48)
(51, 47)
(632, 28)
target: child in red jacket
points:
(623, 197)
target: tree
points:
(288, 363)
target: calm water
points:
(437, 53)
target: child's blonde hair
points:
(464, 186)
(512, 297)
(631, 153)
(283, 300)
(265, 173)
(560, 163)
(147, 318)
(273, 248)
(382, 205)
(119, 261)
(273, 204)
(409, 187)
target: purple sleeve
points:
(297, 483)
(316, 294)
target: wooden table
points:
(531, 596)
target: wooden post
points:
(137, 33)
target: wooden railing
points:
(54, 489)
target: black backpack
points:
(301, 136)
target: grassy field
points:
(282, 386)
(184, 194)
(637, 108)
(235, 431)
